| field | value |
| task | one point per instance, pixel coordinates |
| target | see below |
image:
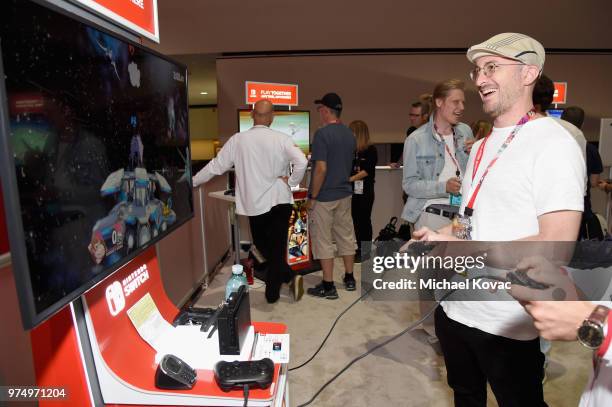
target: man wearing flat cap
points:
(329, 197)
(525, 181)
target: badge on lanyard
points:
(455, 199)
(357, 185)
(462, 227)
(358, 189)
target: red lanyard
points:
(452, 157)
(479, 153)
(448, 149)
(469, 209)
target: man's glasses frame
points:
(487, 70)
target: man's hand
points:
(427, 235)
(453, 185)
(558, 320)
(285, 179)
(309, 204)
(538, 268)
(468, 145)
(394, 165)
(555, 320)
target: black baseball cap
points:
(331, 100)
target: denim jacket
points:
(423, 163)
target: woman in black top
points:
(364, 170)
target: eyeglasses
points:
(488, 70)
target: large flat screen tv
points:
(295, 123)
(94, 161)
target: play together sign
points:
(560, 95)
(277, 93)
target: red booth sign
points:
(560, 92)
(139, 16)
(4, 243)
(277, 93)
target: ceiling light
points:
(203, 93)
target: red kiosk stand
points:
(94, 351)
(299, 253)
(299, 250)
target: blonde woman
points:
(480, 129)
(362, 178)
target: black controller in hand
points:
(521, 278)
(254, 373)
(419, 248)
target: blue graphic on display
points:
(137, 217)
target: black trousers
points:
(513, 368)
(270, 231)
(361, 210)
(590, 227)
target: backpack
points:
(387, 242)
(388, 232)
(404, 232)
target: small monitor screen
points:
(294, 123)
(555, 113)
(98, 133)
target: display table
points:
(117, 365)
(233, 221)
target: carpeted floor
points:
(406, 372)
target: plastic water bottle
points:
(236, 280)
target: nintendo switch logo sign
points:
(117, 292)
(115, 298)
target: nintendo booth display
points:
(95, 168)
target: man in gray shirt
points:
(333, 150)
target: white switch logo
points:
(115, 298)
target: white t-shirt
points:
(576, 133)
(541, 171)
(449, 170)
(598, 393)
(261, 156)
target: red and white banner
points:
(4, 243)
(139, 16)
(277, 93)
(560, 95)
